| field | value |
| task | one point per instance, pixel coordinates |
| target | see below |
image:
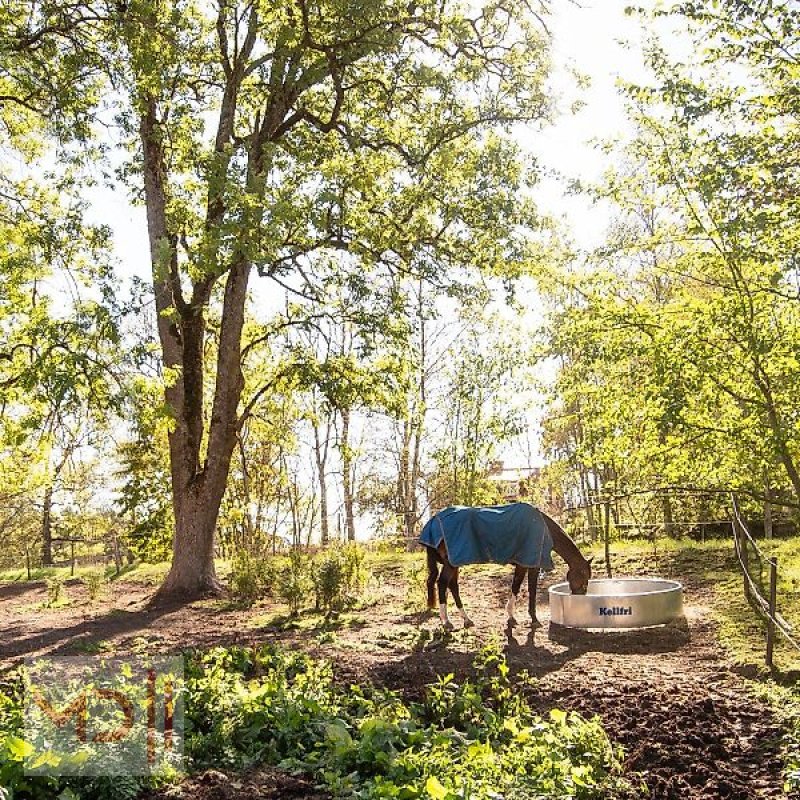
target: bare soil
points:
(687, 721)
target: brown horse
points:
(579, 573)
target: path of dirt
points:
(688, 725)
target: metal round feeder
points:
(618, 603)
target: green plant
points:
(328, 579)
(251, 577)
(55, 590)
(264, 705)
(355, 574)
(294, 581)
(416, 589)
(463, 740)
(339, 577)
(95, 583)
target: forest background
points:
(270, 278)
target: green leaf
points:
(435, 789)
(558, 716)
(18, 748)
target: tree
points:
(323, 112)
(678, 340)
(479, 410)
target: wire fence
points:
(760, 575)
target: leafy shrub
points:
(294, 581)
(477, 739)
(95, 583)
(328, 579)
(416, 576)
(339, 577)
(55, 590)
(251, 578)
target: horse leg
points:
(433, 574)
(445, 576)
(516, 584)
(533, 583)
(468, 623)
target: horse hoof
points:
(512, 623)
(448, 626)
(468, 623)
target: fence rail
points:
(746, 547)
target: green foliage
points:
(473, 739)
(252, 576)
(294, 580)
(246, 706)
(144, 499)
(416, 576)
(677, 342)
(338, 575)
(96, 584)
(55, 590)
(482, 406)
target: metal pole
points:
(773, 601)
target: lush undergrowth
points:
(463, 741)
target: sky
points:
(587, 35)
(598, 40)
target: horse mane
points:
(564, 545)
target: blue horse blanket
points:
(511, 534)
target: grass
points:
(712, 565)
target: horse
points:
(508, 534)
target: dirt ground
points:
(687, 722)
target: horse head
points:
(579, 575)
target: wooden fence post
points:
(773, 602)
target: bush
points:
(294, 581)
(477, 739)
(416, 578)
(328, 579)
(339, 577)
(355, 574)
(95, 583)
(251, 578)
(55, 590)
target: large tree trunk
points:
(198, 496)
(196, 490)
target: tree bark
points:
(321, 456)
(47, 528)
(196, 490)
(347, 465)
(767, 506)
